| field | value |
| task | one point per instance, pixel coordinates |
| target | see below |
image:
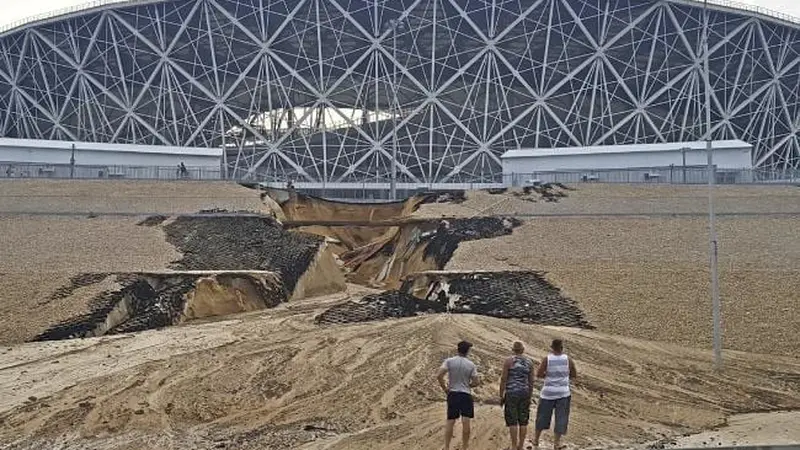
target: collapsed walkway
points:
(305, 247)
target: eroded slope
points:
(249, 395)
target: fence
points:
(656, 175)
(377, 189)
(66, 171)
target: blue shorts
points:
(544, 414)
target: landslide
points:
(144, 301)
(229, 264)
(378, 244)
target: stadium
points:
(327, 91)
(144, 307)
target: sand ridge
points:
(248, 382)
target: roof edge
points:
(65, 13)
(98, 5)
(727, 144)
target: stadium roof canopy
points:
(329, 90)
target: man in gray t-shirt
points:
(462, 375)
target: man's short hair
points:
(557, 345)
(518, 347)
(463, 347)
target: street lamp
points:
(713, 255)
(394, 25)
(72, 163)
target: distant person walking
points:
(516, 391)
(557, 369)
(462, 376)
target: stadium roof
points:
(615, 149)
(109, 147)
(96, 4)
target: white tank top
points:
(556, 380)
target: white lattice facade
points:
(325, 90)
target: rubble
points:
(526, 296)
(549, 192)
(455, 197)
(445, 241)
(153, 221)
(382, 306)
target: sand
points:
(599, 199)
(236, 383)
(648, 277)
(48, 236)
(274, 379)
(779, 428)
(123, 197)
(40, 254)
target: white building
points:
(669, 162)
(37, 158)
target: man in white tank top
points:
(557, 369)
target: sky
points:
(14, 10)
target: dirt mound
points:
(149, 301)
(527, 296)
(263, 380)
(243, 243)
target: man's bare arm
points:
(474, 379)
(542, 370)
(531, 379)
(573, 373)
(440, 376)
(504, 377)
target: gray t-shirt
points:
(460, 371)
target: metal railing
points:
(369, 189)
(752, 8)
(67, 171)
(99, 3)
(655, 175)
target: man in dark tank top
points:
(516, 390)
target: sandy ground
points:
(235, 384)
(589, 198)
(39, 254)
(778, 428)
(129, 197)
(273, 379)
(648, 277)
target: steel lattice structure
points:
(323, 90)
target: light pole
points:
(715, 302)
(394, 25)
(72, 163)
